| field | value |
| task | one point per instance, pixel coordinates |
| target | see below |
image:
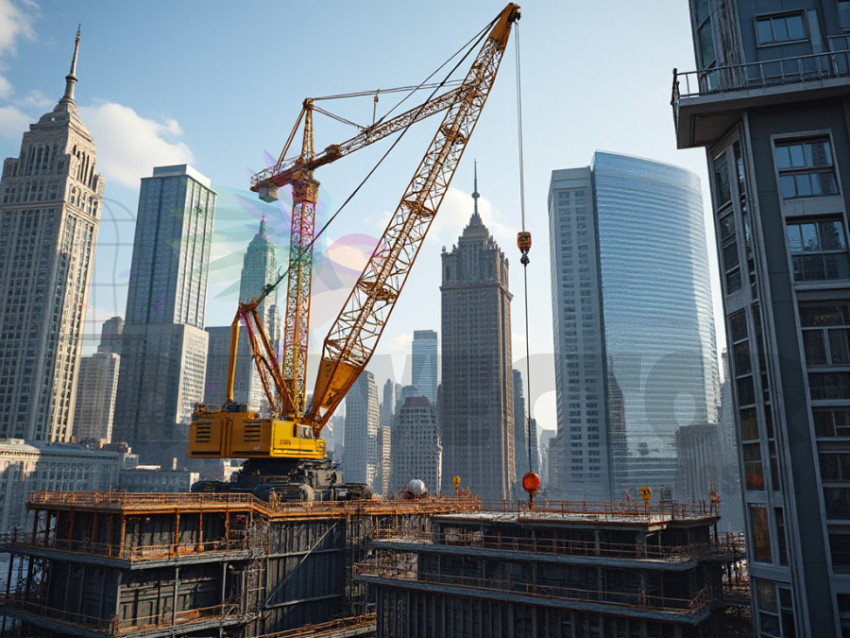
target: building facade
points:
(164, 346)
(632, 366)
(769, 103)
(259, 269)
(424, 364)
(37, 466)
(476, 408)
(97, 389)
(218, 361)
(110, 335)
(416, 447)
(50, 206)
(360, 459)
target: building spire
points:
(476, 219)
(71, 78)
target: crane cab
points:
(224, 434)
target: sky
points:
(219, 84)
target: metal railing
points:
(326, 628)
(760, 75)
(238, 541)
(763, 74)
(638, 599)
(120, 626)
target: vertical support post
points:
(200, 531)
(70, 528)
(123, 535)
(174, 595)
(110, 531)
(176, 540)
(95, 532)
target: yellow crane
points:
(288, 446)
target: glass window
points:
(753, 472)
(829, 385)
(761, 544)
(805, 168)
(839, 548)
(844, 14)
(781, 28)
(818, 249)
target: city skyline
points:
(175, 131)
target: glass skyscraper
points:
(424, 364)
(634, 333)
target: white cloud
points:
(13, 122)
(15, 22)
(129, 145)
(38, 101)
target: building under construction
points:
(564, 571)
(229, 565)
(121, 564)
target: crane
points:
(287, 447)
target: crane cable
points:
(524, 242)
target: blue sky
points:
(218, 84)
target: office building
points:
(385, 466)
(40, 467)
(218, 360)
(97, 389)
(476, 400)
(768, 102)
(164, 346)
(424, 364)
(360, 460)
(110, 335)
(527, 456)
(50, 205)
(632, 365)
(259, 269)
(416, 448)
(698, 451)
(387, 407)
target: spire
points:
(476, 219)
(262, 231)
(71, 78)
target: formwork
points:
(563, 570)
(121, 564)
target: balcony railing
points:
(760, 75)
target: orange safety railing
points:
(638, 599)
(325, 628)
(120, 626)
(728, 544)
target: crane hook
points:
(523, 242)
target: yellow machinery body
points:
(246, 435)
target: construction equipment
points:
(286, 452)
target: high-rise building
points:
(424, 364)
(416, 447)
(360, 460)
(164, 346)
(698, 451)
(476, 401)
(97, 387)
(388, 403)
(218, 361)
(632, 365)
(384, 443)
(259, 269)
(769, 102)
(110, 335)
(49, 215)
(522, 428)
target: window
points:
(805, 168)
(781, 28)
(832, 423)
(761, 533)
(825, 334)
(818, 250)
(844, 14)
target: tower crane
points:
(285, 451)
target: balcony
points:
(706, 103)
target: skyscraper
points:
(424, 364)
(769, 104)
(49, 214)
(218, 360)
(259, 269)
(360, 461)
(416, 447)
(476, 401)
(164, 346)
(97, 386)
(387, 407)
(632, 365)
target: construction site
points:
(230, 565)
